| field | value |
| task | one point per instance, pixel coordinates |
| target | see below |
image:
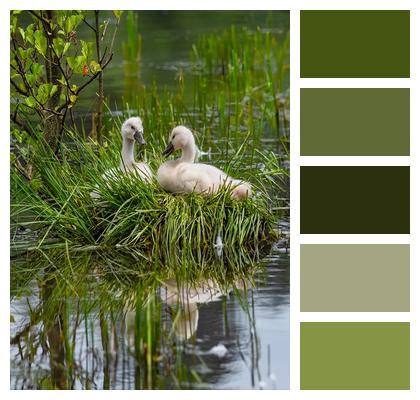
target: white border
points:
(296, 83)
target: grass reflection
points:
(100, 320)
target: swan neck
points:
(188, 153)
(127, 152)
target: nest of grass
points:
(129, 213)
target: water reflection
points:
(97, 322)
(185, 299)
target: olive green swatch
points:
(355, 44)
(355, 277)
(355, 122)
(355, 355)
(355, 200)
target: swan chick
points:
(131, 131)
(184, 176)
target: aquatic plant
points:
(129, 213)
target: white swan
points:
(131, 131)
(185, 176)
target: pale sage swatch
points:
(355, 277)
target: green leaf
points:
(22, 33)
(58, 46)
(71, 61)
(31, 78)
(94, 67)
(66, 47)
(73, 98)
(30, 101)
(62, 81)
(76, 63)
(118, 14)
(38, 70)
(53, 90)
(13, 24)
(45, 91)
(40, 42)
(72, 22)
(87, 48)
(29, 34)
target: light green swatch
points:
(354, 277)
(355, 355)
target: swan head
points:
(179, 138)
(132, 129)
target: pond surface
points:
(203, 335)
(111, 323)
(167, 40)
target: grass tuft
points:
(130, 213)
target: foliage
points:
(51, 66)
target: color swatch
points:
(355, 44)
(355, 122)
(355, 355)
(353, 199)
(350, 200)
(354, 277)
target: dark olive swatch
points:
(355, 355)
(355, 122)
(355, 44)
(355, 200)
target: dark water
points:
(232, 339)
(167, 40)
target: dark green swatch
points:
(351, 200)
(355, 44)
(355, 122)
(355, 277)
(355, 355)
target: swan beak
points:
(138, 137)
(169, 150)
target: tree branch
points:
(91, 79)
(40, 17)
(89, 25)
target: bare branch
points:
(89, 25)
(40, 17)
